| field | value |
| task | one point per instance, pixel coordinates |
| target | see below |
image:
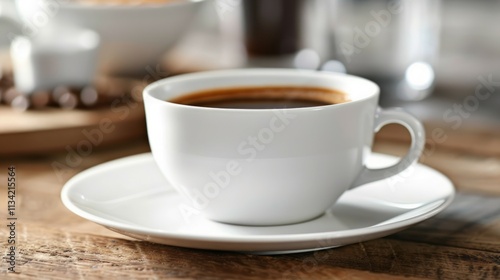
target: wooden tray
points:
(78, 131)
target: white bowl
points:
(61, 56)
(133, 37)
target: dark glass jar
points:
(272, 27)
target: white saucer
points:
(130, 196)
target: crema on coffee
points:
(269, 97)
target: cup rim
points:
(147, 92)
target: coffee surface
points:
(276, 97)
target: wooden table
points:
(463, 242)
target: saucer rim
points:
(445, 201)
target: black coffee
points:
(276, 97)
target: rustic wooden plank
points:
(471, 222)
(46, 253)
(49, 254)
(411, 259)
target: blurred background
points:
(67, 65)
(425, 55)
(427, 47)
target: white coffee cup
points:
(269, 166)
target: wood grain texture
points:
(49, 254)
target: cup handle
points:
(417, 133)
